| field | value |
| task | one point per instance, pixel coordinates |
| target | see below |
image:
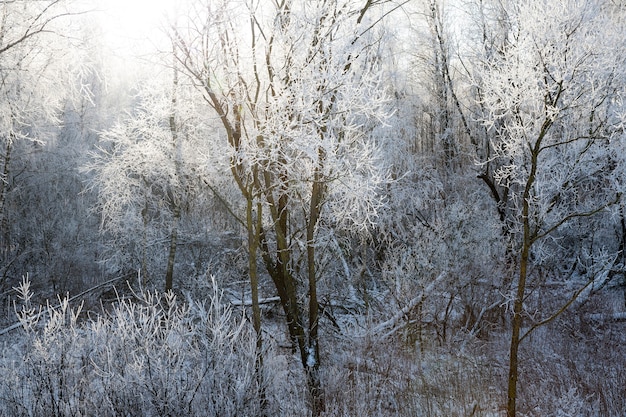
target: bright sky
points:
(133, 27)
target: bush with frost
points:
(151, 356)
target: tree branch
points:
(575, 216)
(558, 312)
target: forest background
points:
(332, 207)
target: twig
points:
(49, 309)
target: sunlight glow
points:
(134, 27)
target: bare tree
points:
(297, 93)
(32, 85)
(553, 106)
(146, 173)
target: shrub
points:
(154, 356)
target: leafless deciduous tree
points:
(553, 108)
(297, 91)
(32, 71)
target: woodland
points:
(313, 208)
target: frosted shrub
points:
(155, 357)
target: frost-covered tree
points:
(146, 174)
(552, 97)
(297, 91)
(35, 67)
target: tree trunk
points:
(4, 181)
(254, 227)
(169, 274)
(313, 354)
(518, 305)
(623, 249)
(174, 195)
(515, 331)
